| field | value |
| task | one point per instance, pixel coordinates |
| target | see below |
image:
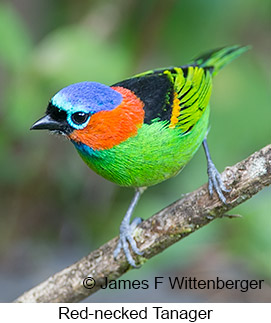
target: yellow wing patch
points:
(175, 111)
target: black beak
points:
(48, 123)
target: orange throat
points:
(107, 129)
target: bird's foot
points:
(126, 238)
(215, 182)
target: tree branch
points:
(166, 227)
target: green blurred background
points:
(54, 210)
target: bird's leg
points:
(127, 229)
(215, 180)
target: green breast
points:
(155, 154)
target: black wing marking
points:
(156, 90)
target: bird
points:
(142, 130)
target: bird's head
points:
(72, 107)
(90, 113)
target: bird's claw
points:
(215, 182)
(126, 238)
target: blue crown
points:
(89, 97)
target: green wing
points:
(192, 87)
(189, 87)
(176, 95)
(179, 95)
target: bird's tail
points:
(218, 58)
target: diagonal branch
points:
(166, 227)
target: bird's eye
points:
(79, 117)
